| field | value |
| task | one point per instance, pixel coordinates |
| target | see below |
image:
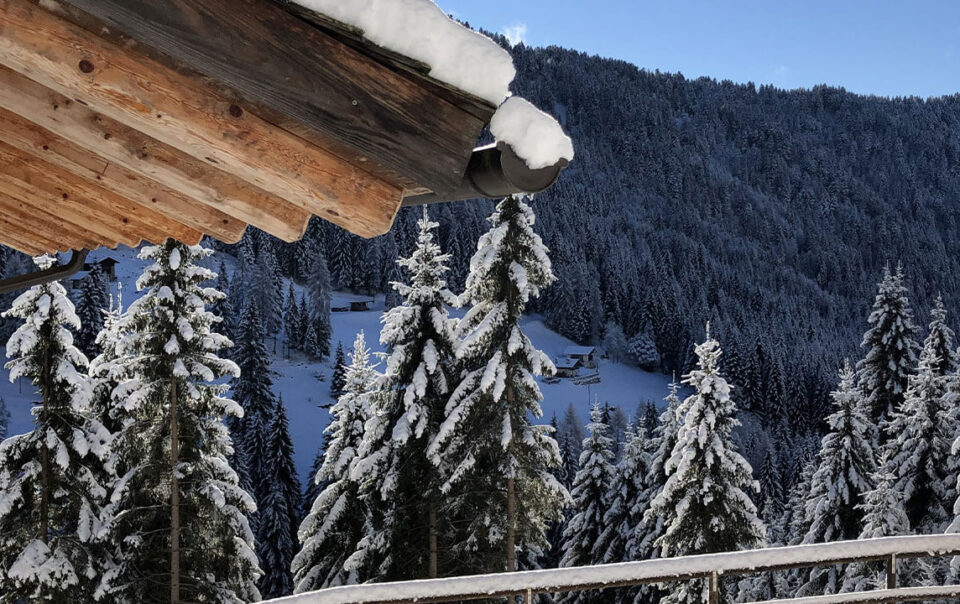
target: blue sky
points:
(884, 47)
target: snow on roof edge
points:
(535, 136)
(419, 29)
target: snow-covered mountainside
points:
(305, 385)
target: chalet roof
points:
(579, 351)
(130, 120)
(567, 363)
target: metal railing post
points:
(892, 572)
(714, 597)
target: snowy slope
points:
(305, 386)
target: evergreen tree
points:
(401, 484)
(496, 461)
(52, 483)
(279, 515)
(252, 391)
(920, 435)
(704, 502)
(626, 506)
(940, 340)
(771, 483)
(883, 516)
(891, 350)
(4, 419)
(332, 531)
(842, 479)
(292, 320)
(319, 291)
(339, 372)
(179, 519)
(642, 544)
(591, 493)
(91, 304)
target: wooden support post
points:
(714, 596)
(892, 571)
(528, 597)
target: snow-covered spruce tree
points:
(891, 350)
(843, 477)
(642, 544)
(626, 506)
(318, 287)
(339, 377)
(401, 484)
(497, 463)
(252, 390)
(772, 493)
(920, 435)
(332, 531)
(179, 519)
(940, 340)
(591, 492)
(52, 479)
(106, 372)
(292, 321)
(278, 517)
(704, 502)
(883, 516)
(4, 418)
(91, 303)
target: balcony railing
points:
(711, 567)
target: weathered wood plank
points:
(96, 208)
(53, 234)
(17, 239)
(142, 155)
(182, 112)
(30, 138)
(271, 57)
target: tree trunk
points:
(511, 526)
(44, 451)
(174, 497)
(432, 523)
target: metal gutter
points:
(494, 171)
(54, 273)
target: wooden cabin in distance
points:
(124, 121)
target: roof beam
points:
(132, 151)
(183, 112)
(298, 72)
(95, 208)
(31, 139)
(15, 238)
(45, 227)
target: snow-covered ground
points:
(305, 385)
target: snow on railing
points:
(707, 566)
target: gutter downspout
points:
(493, 172)
(54, 273)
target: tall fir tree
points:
(91, 303)
(292, 321)
(339, 377)
(278, 518)
(891, 350)
(401, 484)
(642, 544)
(52, 479)
(844, 475)
(319, 291)
(497, 462)
(625, 510)
(179, 518)
(705, 501)
(252, 390)
(920, 435)
(106, 369)
(337, 521)
(883, 516)
(940, 340)
(591, 492)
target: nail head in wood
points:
(86, 66)
(236, 111)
